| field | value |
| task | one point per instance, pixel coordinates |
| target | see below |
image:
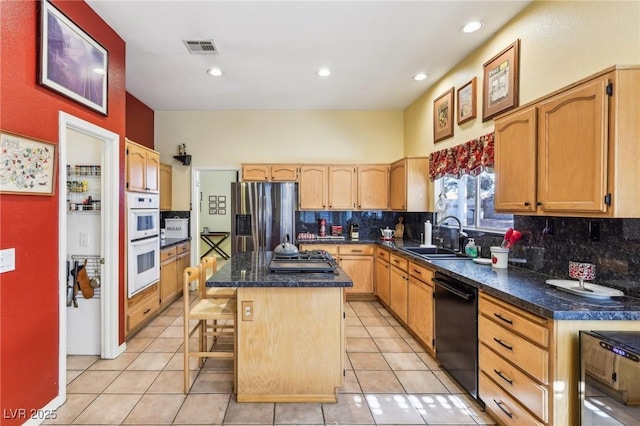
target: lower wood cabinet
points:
(381, 274)
(420, 306)
(142, 307)
(173, 261)
(398, 286)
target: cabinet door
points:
(167, 279)
(573, 137)
(312, 190)
(515, 162)
(255, 172)
(382, 280)
(182, 262)
(284, 173)
(373, 187)
(398, 292)
(420, 310)
(152, 172)
(360, 270)
(342, 187)
(136, 168)
(166, 187)
(398, 185)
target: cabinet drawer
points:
(398, 262)
(183, 248)
(420, 272)
(530, 394)
(531, 326)
(167, 253)
(143, 307)
(382, 254)
(502, 407)
(332, 249)
(531, 358)
(357, 249)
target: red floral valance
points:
(469, 158)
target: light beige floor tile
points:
(363, 309)
(132, 382)
(404, 361)
(173, 332)
(374, 320)
(171, 382)
(92, 381)
(394, 322)
(150, 332)
(218, 364)
(138, 344)
(347, 362)
(353, 322)
(155, 410)
(203, 409)
(368, 361)
(378, 382)
(108, 409)
(150, 361)
(361, 344)
(478, 414)
(451, 385)
(177, 322)
(442, 409)
(213, 382)
(120, 363)
(414, 344)
(382, 331)
(72, 374)
(351, 384)
(161, 321)
(392, 344)
(298, 414)
(420, 382)
(174, 310)
(249, 413)
(165, 345)
(401, 331)
(430, 361)
(393, 409)
(356, 331)
(81, 362)
(351, 409)
(73, 406)
(177, 362)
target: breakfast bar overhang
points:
(290, 344)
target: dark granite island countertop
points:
(251, 269)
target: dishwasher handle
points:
(461, 294)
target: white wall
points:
(225, 139)
(216, 183)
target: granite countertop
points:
(168, 242)
(527, 289)
(251, 269)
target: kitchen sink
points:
(436, 253)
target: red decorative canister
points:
(322, 227)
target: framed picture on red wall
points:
(70, 61)
(27, 165)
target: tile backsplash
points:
(547, 246)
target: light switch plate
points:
(7, 260)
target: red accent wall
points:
(29, 296)
(139, 122)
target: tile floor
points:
(390, 380)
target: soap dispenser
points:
(471, 249)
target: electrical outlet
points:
(247, 310)
(84, 239)
(594, 231)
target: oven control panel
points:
(619, 351)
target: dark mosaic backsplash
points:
(547, 246)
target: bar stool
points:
(203, 310)
(209, 267)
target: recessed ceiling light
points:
(216, 72)
(324, 72)
(472, 27)
(420, 76)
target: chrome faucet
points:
(462, 236)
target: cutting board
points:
(399, 228)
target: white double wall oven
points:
(143, 245)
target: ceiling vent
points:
(200, 47)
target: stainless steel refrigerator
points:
(262, 215)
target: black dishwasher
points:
(457, 330)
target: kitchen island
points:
(290, 335)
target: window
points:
(471, 199)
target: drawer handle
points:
(508, 321)
(499, 404)
(417, 272)
(356, 251)
(146, 311)
(499, 373)
(503, 344)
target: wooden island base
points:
(291, 347)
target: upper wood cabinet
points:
(574, 152)
(410, 188)
(142, 168)
(373, 187)
(166, 187)
(270, 172)
(312, 189)
(342, 187)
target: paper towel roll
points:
(427, 233)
